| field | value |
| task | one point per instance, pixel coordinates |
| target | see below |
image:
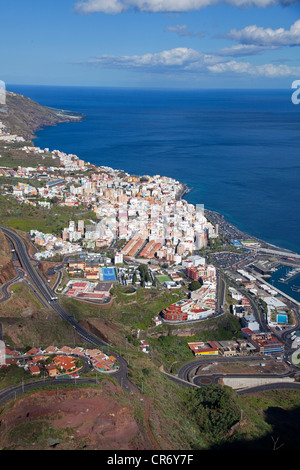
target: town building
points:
(265, 343)
(204, 349)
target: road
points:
(12, 392)
(5, 288)
(255, 306)
(42, 289)
(187, 375)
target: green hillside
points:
(24, 116)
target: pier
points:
(283, 294)
(290, 275)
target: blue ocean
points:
(237, 150)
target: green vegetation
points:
(194, 285)
(170, 344)
(131, 311)
(42, 434)
(171, 351)
(25, 116)
(171, 425)
(215, 408)
(212, 417)
(80, 310)
(12, 375)
(26, 217)
(13, 156)
(8, 180)
(215, 416)
(162, 279)
(144, 274)
(126, 290)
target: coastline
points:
(67, 114)
(242, 214)
(72, 116)
(241, 234)
(250, 236)
(185, 190)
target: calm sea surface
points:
(237, 150)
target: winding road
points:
(187, 374)
(42, 290)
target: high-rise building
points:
(81, 226)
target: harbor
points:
(291, 274)
(287, 281)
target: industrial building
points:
(264, 343)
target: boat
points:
(295, 288)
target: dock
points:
(290, 275)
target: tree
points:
(216, 409)
(143, 269)
(194, 285)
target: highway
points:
(42, 289)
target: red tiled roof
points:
(34, 369)
(78, 285)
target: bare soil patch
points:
(254, 367)
(82, 418)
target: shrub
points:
(215, 408)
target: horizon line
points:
(122, 87)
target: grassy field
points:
(12, 156)
(25, 217)
(162, 279)
(132, 311)
(26, 322)
(170, 343)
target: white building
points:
(118, 258)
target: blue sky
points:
(151, 43)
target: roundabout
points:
(203, 381)
(243, 373)
(295, 358)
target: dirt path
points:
(147, 424)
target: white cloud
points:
(242, 50)
(182, 31)
(105, 6)
(164, 6)
(183, 59)
(179, 28)
(265, 70)
(267, 37)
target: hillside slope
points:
(7, 270)
(24, 116)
